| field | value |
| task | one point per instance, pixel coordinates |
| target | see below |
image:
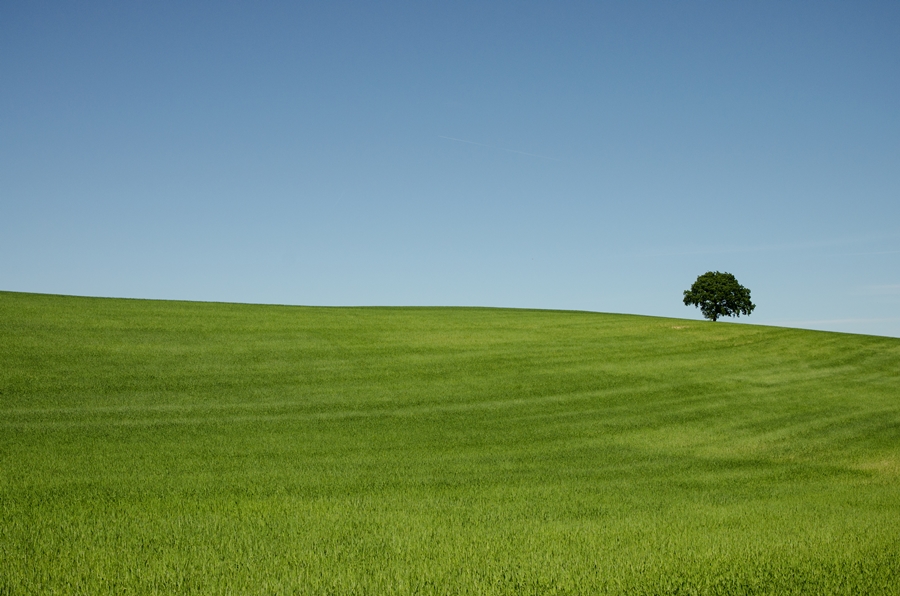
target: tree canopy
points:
(719, 295)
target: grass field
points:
(152, 447)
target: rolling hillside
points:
(156, 447)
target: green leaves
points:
(719, 295)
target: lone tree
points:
(719, 295)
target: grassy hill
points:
(160, 447)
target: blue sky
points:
(564, 155)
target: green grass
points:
(154, 447)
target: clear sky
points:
(563, 155)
